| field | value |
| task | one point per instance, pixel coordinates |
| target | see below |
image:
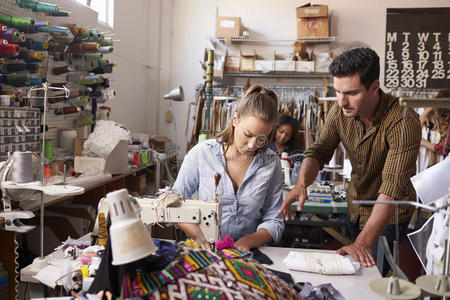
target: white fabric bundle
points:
(104, 139)
(322, 263)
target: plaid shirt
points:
(383, 157)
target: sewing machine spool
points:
(406, 290)
(20, 194)
(428, 284)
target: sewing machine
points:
(172, 208)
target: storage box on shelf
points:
(247, 61)
(312, 21)
(228, 27)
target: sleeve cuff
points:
(316, 157)
(389, 189)
(276, 236)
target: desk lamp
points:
(130, 240)
(176, 94)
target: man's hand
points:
(298, 193)
(360, 253)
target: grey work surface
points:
(352, 287)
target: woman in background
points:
(286, 136)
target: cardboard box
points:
(115, 163)
(312, 11)
(264, 65)
(312, 21)
(247, 61)
(228, 26)
(158, 142)
(304, 66)
(283, 64)
(233, 63)
(137, 184)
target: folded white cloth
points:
(323, 263)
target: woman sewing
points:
(250, 186)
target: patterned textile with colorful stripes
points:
(200, 274)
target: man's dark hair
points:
(363, 61)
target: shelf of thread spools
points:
(83, 71)
(72, 56)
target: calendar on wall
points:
(417, 48)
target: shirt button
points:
(235, 202)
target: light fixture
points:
(130, 240)
(176, 94)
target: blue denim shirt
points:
(255, 204)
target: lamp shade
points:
(130, 240)
(176, 94)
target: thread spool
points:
(3, 28)
(62, 70)
(107, 42)
(55, 30)
(19, 22)
(68, 110)
(11, 35)
(36, 55)
(33, 68)
(18, 79)
(22, 169)
(66, 139)
(14, 67)
(35, 81)
(102, 230)
(41, 23)
(3, 41)
(36, 45)
(84, 47)
(106, 49)
(48, 149)
(92, 56)
(80, 101)
(10, 49)
(61, 13)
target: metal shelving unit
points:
(276, 74)
(256, 39)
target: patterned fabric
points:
(200, 274)
(383, 157)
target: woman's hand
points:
(195, 233)
(244, 243)
(202, 242)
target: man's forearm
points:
(378, 220)
(308, 172)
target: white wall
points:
(191, 22)
(162, 41)
(131, 76)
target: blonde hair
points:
(258, 102)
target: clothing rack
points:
(300, 102)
